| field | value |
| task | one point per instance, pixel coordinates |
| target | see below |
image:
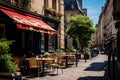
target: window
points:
(51, 40)
(2, 29)
(54, 4)
(51, 43)
(42, 42)
(72, 6)
(46, 4)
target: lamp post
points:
(76, 58)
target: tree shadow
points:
(91, 78)
(97, 66)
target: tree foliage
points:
(81, 29)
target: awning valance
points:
(26, 22)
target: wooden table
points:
(66, 59)
(43, 63)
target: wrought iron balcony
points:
(24, 4)
(52, 13)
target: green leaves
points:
(81, 29)
(4, 45)
(7, 64)
(5, 57)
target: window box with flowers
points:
(53, 12)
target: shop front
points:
(30, 31)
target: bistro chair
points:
(34, 64)
(71, 58)
(58, 64)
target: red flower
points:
(53, 12)
(59, 14)
(18, 69)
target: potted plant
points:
(8, 68)
(71, 48)
(59, 51)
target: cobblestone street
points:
(93, 69)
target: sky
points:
(94, 8)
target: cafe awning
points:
(26, 22)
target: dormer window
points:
(72, 6)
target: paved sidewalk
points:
(93, 69)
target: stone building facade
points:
(108, 32)
(39, 6)
(106, 24)
(41, 27)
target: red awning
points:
(26, 22)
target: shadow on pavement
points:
(105, 77)
(96, 66)
(91, 78)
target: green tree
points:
(81, 29)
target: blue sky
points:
(94, 8)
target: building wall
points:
(116, 15)
(62, 36)
(106, 23)
(38, 6)
(110, 23)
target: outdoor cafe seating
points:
(41, 65)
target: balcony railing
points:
(25, 4)
(53, 13)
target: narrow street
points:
(93, 69)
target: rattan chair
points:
(34, 64)
(58, 64)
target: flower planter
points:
(53, 12)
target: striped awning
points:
(26, 22)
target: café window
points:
(42, 42)
(51, 43)
(2, 31)
(28, 40)
(51, 40)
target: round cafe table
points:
(43, 63)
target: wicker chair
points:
(34, 64)
(58, 64)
